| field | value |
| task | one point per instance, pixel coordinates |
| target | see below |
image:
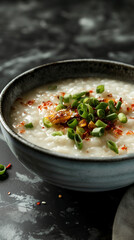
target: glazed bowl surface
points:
(70, 172)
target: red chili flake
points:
(63, 94)
(132, 105)
(117, 132)
(110, 95)
(90, 91)
(124, 148)
(46, 104)
(129, 109)
(22, 131)
(31, 102)
(121, 100)
(20, 124)
(130, 133)
(87, 139)
(9, 166)
(85, 134)
(40, 107)
(43, 127)
(38, 203)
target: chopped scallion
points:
(102, 105)
(118, 105)
(79, 130)
(112, 145)
(70, 133)
(90, 109)
(78, 141)
(90, 117)
(60, 99)
(58, 133)
(46, 122)
(93, 101)
(111, 106)
(75, 104)
(72, 123)
(59, 107)
(98, 132)
(100, 89)
(2, 169)
(78, 95)
(66, 98)
(100, 113)
(29, 125)
(99, 123)
(82, 110)
(122, 117)
(112, 116)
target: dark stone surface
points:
(34, 33)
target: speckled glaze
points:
(83, 174)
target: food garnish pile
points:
(84, 116)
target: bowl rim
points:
(119, 158)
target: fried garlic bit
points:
(61, 116)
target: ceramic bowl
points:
(76, 173)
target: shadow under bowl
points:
(76, 173)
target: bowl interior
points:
(54, 72)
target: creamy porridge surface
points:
(42, 102)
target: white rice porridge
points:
(33, 106)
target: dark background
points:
(37, 32)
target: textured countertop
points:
(37, 32)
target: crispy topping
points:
(61, 116)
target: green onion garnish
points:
(79, 130)
(90, 117)
(100, 89)
(58, 133)
(100, 113)
(78, 95)
(118, 105)
(59, 107)
(112, 145)
(99, 123)
(111, 106)
(70, 133)
(98, 132)
(66, 98)
(29, 125)
(90, 109)
(122, 117)
(72, 123)
(60, 99)
(53, 87)
(78, 141)
(75, 104)
(46, 122)
(102, 105)
(82, 110)
(86, 100)
(112, 116)
(2, 169)
(93, 101)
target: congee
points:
(82, 117)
